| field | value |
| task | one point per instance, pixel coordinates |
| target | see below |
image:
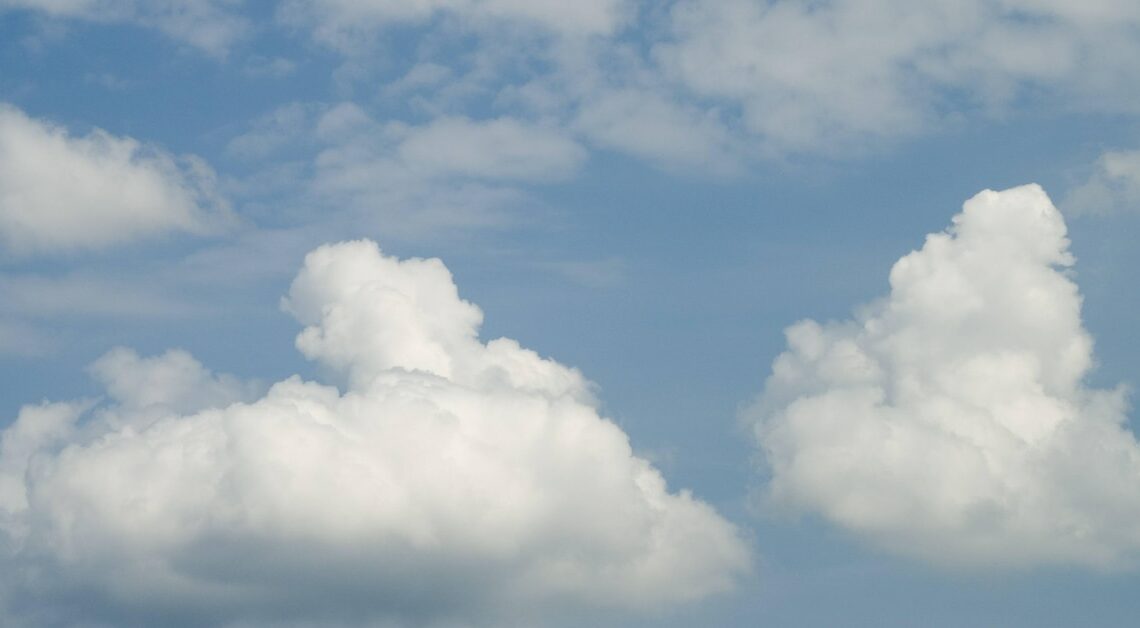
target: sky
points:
(472, 313)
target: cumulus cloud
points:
(450, 480)
(951, 420)
(209, 25)
(1113, 185)
(63, 193)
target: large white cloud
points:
(450, 480)
(61, 193)
(951, 420)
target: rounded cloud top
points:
(951, 419)
(452, 480)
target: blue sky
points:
(642, 198)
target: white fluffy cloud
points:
(451, 480)
(61, 193)
(951, 420)
(209, 25)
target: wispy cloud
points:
(209, 25)
(1112, 186)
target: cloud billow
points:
(452, 480)
(61, 193)
(951, 420)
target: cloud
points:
(18, 338)
(1114, 185)
(602, 273)
(208, 25)
(502, 148)
(269, 67)
(450, 480)
(172, 383)
(89, 295)
(273, 132)
(61, 193)
(451, 174)
(707, 85)
(349, 25)
(951, 420)
(830, 77)
(445, 148)
(650, 125)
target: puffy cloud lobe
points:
(950, 421)
(173, 383)
(60, 193)
(451, 479)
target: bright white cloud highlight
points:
(451, 479)
(951, 420)
(63, 193)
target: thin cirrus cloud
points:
(450, 479)
(411, 181)
(1112, 186)
(446, 147)
(348, 25)
(208, 25)
(499, 149)
(832, 76)
(61, 193)
(951, 420)
(793, 77)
